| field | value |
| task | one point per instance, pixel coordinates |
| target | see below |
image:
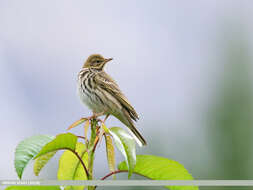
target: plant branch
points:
(114, 172)
(80, 159)
(91, 150)
(94, 148)
(85, 139)
(120, 171)
(110, 174)
(81, 137)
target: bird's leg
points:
(95, 116)
(99, 114)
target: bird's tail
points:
(136, 134)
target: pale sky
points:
(166, 61)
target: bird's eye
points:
(97, 61)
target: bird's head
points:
(96, 61)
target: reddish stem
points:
(81, 137)
(80, 159)
(115, 172)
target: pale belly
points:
(93, 101)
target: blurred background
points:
(186, 66)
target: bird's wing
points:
(104, 81)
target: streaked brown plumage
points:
(102, 95)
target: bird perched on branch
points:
(102, 95)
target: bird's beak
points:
(107, 60)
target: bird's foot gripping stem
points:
(95, 116)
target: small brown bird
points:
(102, 95)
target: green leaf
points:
(33, 188)
(159, 168)
(110, 154)
(126, 144)
(70, 168)
(41, 161)
(27, 149)
(105, 128)
(62, 141)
